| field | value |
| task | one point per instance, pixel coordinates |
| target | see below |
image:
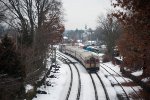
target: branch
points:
(9, 8)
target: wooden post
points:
(55, 56)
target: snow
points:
(103, 46)
(75, 84)
(87, 89)
(99, 87)
(119, 58)
(112, 66)
(137, 73)
(60, 85)
(81, 45)
(100, 54)
(109, 88)
(146, 79)
(65, 37)
(28, 87)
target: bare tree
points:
(2, 11)
(29, 15)
(109, 29)
(39, 23)
(36, 21)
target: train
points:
(89, 60)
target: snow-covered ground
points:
(28, 87)
(87, 89)
(122, 80)
(60, 84)
(137, 73)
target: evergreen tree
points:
(9, 60)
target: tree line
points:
(34, 21)
(127, 29)
(36, 25)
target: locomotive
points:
(89, 60)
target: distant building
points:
(90, 43)
(65, 39)
(79, 41)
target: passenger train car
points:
(88, 59)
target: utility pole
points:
(90, 30)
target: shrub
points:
(105, 58)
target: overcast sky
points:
(79, 13)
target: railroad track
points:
(94, 85)
(126, 94)
(70, 63)
(94, 82)
(135, 92)
(96, 95)
(106, 93)
(95, 78)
